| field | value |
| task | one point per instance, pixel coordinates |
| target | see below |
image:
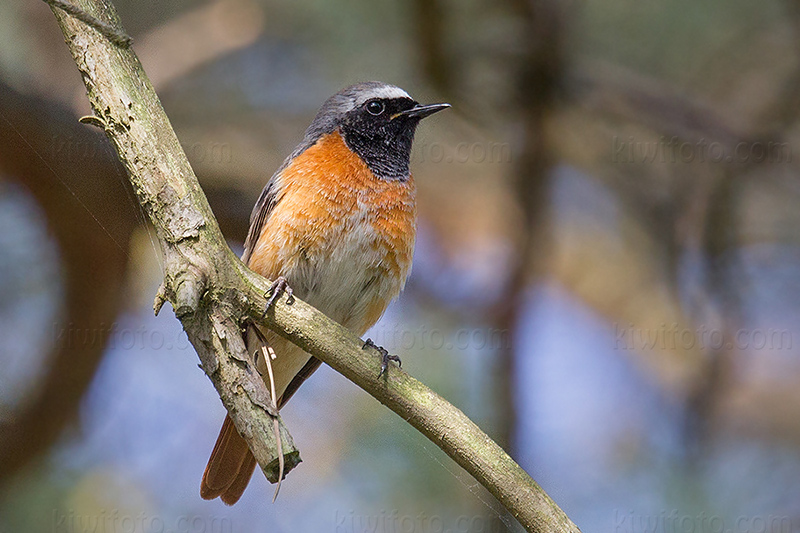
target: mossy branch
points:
(213, 292)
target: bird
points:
(335, 226)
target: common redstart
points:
(335, 225)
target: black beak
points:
(421, 111)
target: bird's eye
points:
(375, 107)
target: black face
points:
(381, 135)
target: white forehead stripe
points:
(386, 91)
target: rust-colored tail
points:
(230, 467)
(232, 464)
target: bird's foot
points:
(385, 356)
(278, 287)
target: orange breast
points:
(336, 223)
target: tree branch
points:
(212, 291)
(201, 272)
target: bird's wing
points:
(266, 202)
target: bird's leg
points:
(279, 286)
(385, 357)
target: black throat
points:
(387, 153)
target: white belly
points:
(346, 275)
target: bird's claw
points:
(278, 287)
(385, 356)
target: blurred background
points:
(605, 279)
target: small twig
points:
(93, 120)
(268, 353)
(109, 31)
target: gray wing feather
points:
(266, 202)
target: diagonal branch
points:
(212, 292)
(201, 272)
